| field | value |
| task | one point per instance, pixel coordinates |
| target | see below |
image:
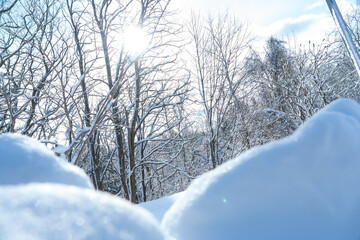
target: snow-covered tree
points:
(220, 45)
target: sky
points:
(306, 19)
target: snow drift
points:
(54, 211)
(160, 206)
(302, 187)
(24, 160)
(43, 197)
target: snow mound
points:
(24, 160)
(301, 187)
(55, 211)
(160, 206)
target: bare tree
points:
(220, 47)
(6, 8)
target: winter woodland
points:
(145, 116)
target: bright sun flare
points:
(136, 40)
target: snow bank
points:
(24, 160)
(55, 211)
(43, 197)
(160, 206)
(302, 187)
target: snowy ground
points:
(23, 160)
(56, 212)
(44, 197)
(302, 187)
(160, 206)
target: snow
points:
(301, 187)
(24, 160)
(56, 211)
(43, 197)
(73, 90)
(160, 206)
(60, 149)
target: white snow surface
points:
(160, 206)
(57, 211)
(25, 160)
(43, 197)
(303, 187)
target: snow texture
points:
(56, 211)
(160, 206)
(303, 187)
(24, 160)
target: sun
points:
(135, 40)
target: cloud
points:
(289, 25)
(298, 25)
(307, 27)
(315, 5)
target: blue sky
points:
(307, 19)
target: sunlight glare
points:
(136, 40)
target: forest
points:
(143, 116)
